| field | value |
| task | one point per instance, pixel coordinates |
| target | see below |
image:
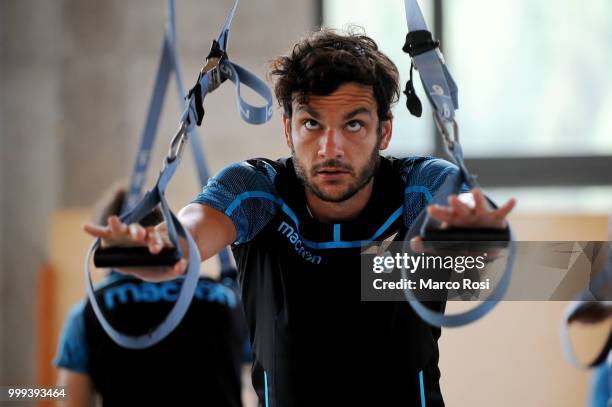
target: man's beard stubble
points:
(366, 174)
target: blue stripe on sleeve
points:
(245, 194)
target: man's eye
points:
(354, 126)
(311, 124)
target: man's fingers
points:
(116, 226)
(502, 212)
(480, 202)
(440, 213)
(460, 209)
(179, 268)
(137, 232)
(166, 240)
(97, 231)
(154, 240)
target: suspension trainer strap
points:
(442, 93)
(217, 69)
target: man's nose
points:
(331, 144)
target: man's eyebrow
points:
(348, 116)
(309, 110)
(357, 111)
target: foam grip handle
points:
(117, 257)
(467, 235)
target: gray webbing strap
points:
(442, 94)
(213, 74)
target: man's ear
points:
(287, 129)
(386, 127)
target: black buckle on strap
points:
(215, 58)
(419, 42)
(196, 92)
(216, 51)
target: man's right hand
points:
(211, 230)
(153, 237)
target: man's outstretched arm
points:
(211, 230)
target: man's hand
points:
(467, 210)
(155, 238)
(471, 210)
(211, 230)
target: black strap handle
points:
(121, 257)
(467, 235)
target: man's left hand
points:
(471, 210)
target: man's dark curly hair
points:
(324, 60)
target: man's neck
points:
(330, 212)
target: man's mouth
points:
(332, 172)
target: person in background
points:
(200, 363)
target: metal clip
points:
(443, 129)
(213, 66)
(178, 143)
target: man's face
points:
(335, 141)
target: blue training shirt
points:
(300, 284)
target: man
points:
(296, 227)
(197, 364)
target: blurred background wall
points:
(75, 80)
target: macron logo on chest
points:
(293, 237)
